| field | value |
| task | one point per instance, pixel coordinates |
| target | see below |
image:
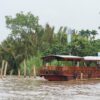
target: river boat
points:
(68, 67)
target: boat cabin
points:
(67, 67)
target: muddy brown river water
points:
(12, 88)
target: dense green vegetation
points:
(28, 41)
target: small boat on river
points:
(68, 67)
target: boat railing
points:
(68, 70)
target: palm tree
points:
(85, 34)
(93, 33)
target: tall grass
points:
(30, 63)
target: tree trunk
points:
(24, 68)
(3, 63)
(5, 69)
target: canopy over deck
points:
(91, 58)
(50, 58)
(61, 58)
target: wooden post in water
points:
(34, 71)
(24, 68)
(5, 69)
(2, 68)
(18, 72)
(81, 76)
(11, 72)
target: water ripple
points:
(12, 88)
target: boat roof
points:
(49, 58)
(91, 58)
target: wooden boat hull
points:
(56, 78)
(72, 73)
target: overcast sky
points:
(77, 14)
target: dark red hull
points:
(55, 78)
(69, 73)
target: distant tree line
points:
(30, 40)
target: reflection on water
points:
(12, 88)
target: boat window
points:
(90, 63)
(98, 64)
(64, 63)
